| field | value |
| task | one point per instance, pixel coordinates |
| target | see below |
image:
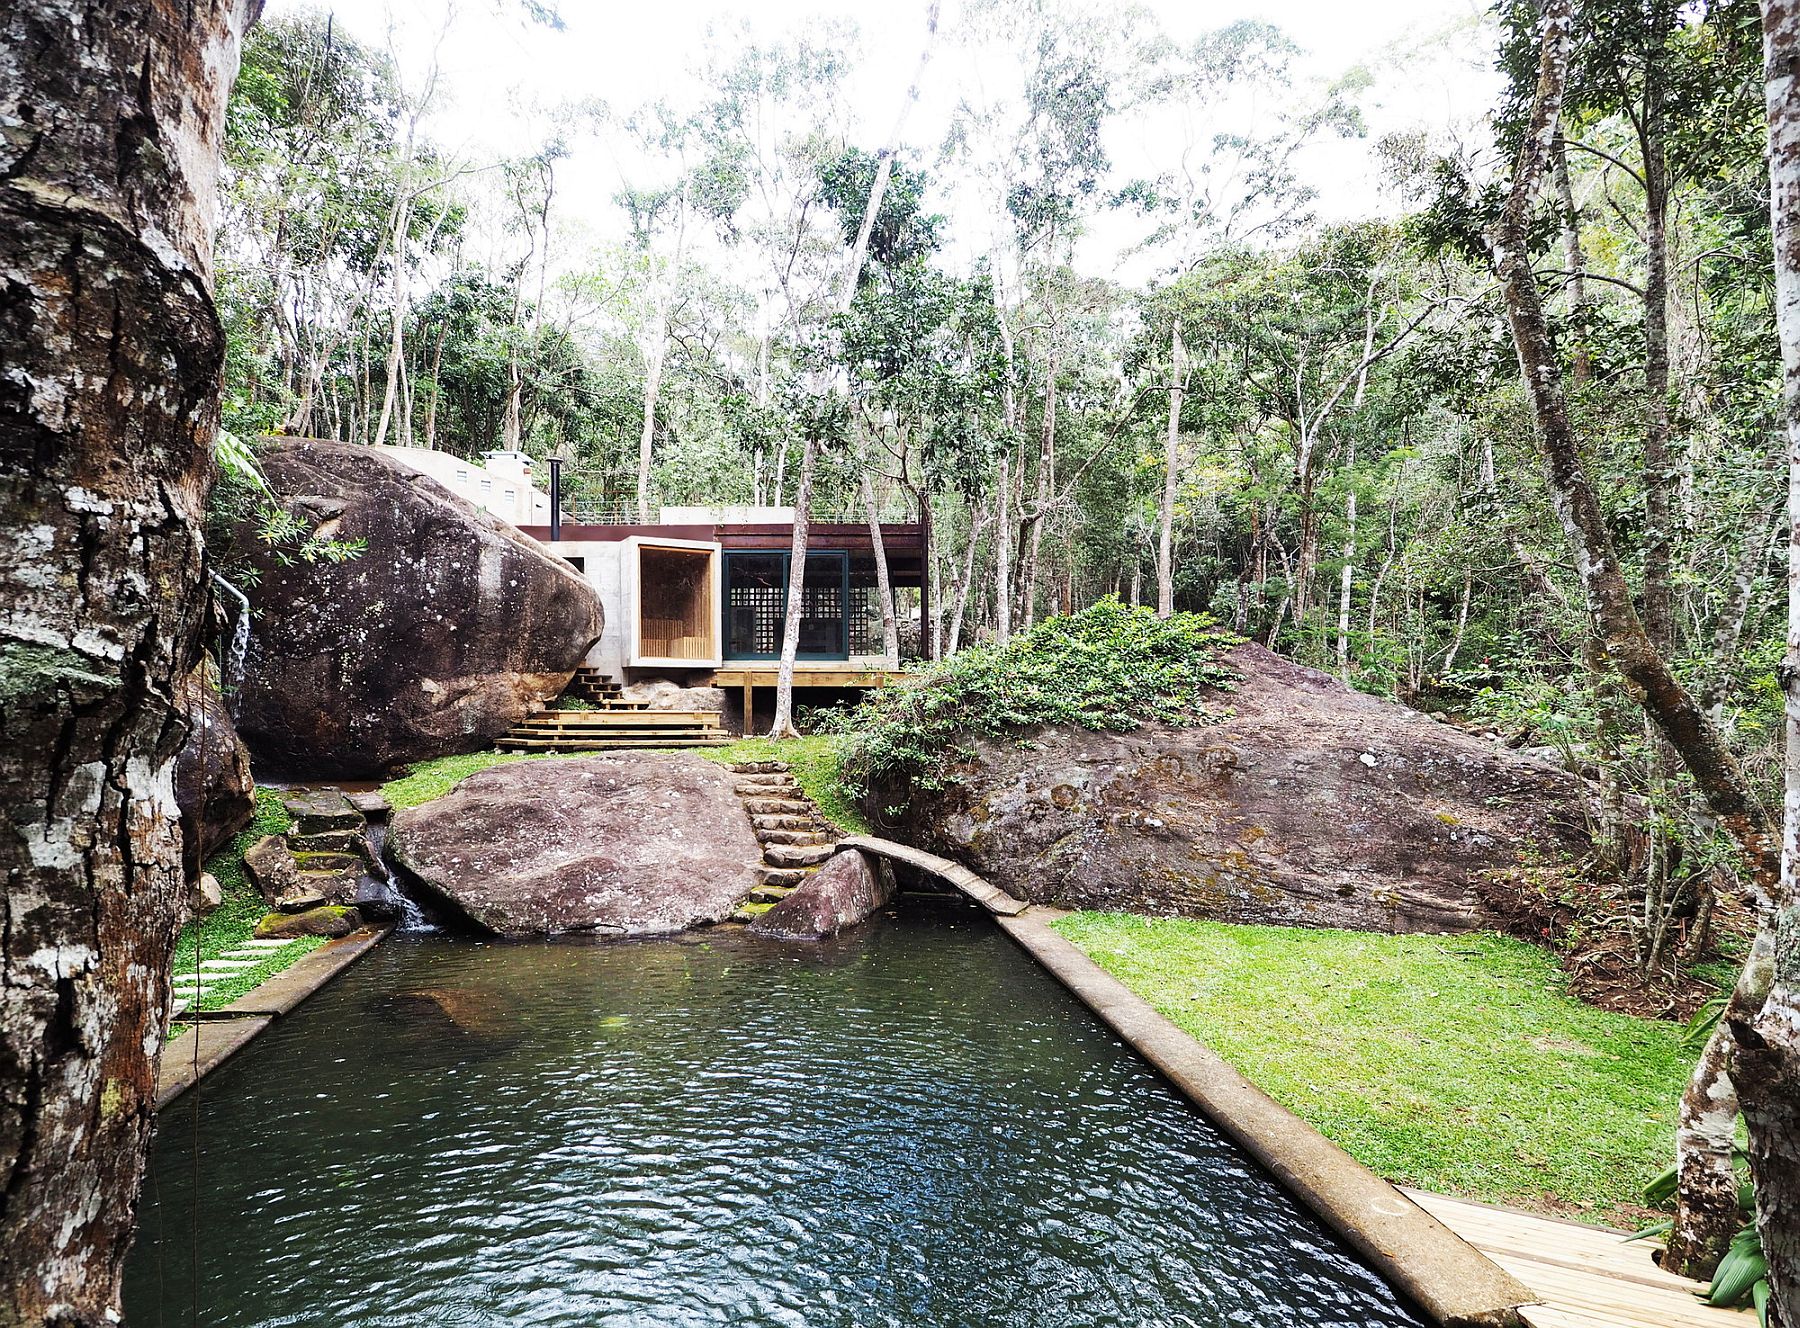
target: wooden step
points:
(606, 743)
(624, 719)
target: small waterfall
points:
(382, 884)
(231, 670)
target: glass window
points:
(756, 605)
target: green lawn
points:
(814, 761)
(1453, 1063)
(234, 921)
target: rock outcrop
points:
(446, 629)
(628, 844)
(1306, 804)
(213, 787)
(842, 893)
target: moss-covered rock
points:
(328, 920)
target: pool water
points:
(911, 1126)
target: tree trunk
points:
(890, 636)
(1620, 631)
(1768, 1048)
(783, 726)
(1165, 517)
(108, 411)
(1003, 557)
(647, 434)
(1034, 540)
(1581, 365)
(964, 583)
(1347, 578)
(1659, 535)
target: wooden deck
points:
(1589, 1277)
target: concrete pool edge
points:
(1446, 1277)
(215, 1039)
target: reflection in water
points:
(913, 1126)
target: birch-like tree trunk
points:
(884, 588)
(108, 410)
(1165, 516)
(1706, 1212)
(1768, 1047)
(783, 727)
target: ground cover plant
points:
(1106, 667)
(814, 761)
(1459, 1064)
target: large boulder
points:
(1306, 804)
(213, 788)
(448, 628)
(846, 890)
(629, 844)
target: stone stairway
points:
(796, 839)
(616, 723)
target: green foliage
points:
(1455, 1063)
(1107, 667)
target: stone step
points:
(758, 767)
(254, 944)
(327, 841)
(784, 876)
(256, 956)
(790, 837)
(227, 965)
(797, 855)
(770, 894)
(785, 822)
(316, 811)
(763, 806)
(787, 790)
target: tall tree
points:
(1768, 1046)
(1707, 1212)
(783, 726)
(109, 401)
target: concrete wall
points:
(602, 563)
(487, 486)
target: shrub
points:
(1107, 667)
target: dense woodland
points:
(1317, 433)
(1512, 449)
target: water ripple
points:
(915, 1127)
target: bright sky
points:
(1431, 62)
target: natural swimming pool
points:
(912, 1126)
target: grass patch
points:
(232, 923)
(1454, 1063)
(814, 761)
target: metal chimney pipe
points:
(555, 498)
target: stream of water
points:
(913, 1126)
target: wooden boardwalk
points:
(1589, 1277)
